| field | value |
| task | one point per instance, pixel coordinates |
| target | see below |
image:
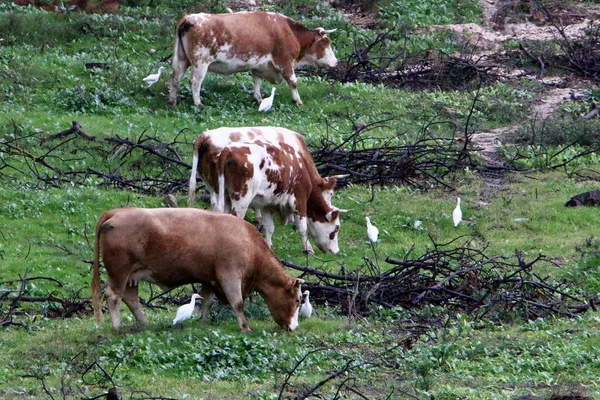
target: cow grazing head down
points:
(284, 305)
(170, 247)
(325, 231)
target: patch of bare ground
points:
(488, 42)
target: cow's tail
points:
(222, 161)
(192, 188)
(182, 27)
(96, 290)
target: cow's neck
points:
(270, 274)
(304, 36)
(317, 208)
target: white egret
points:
(372, 231)
(153, 78)
(266, 104)
(457, 213)
(186, 310)
(305, 306)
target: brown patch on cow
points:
(335, 231)
(235, 136)
(262, 164)
(207, 160)
(237, 170)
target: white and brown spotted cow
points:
(211, 142)
(273, 177)
(177, 246)
(269, 45)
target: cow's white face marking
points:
(294, 322)
(328, 60)
(325, 234)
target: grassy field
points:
(48, 231)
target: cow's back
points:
(180, 245)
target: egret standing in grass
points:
(372, 231)
(186, 310)
(266, 104)
(305, 306)
(457, 213)
(373, 235)
(153, 78)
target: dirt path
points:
(488, 40)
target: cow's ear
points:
(331, 215)
(297, 283)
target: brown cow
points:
(177, 246)
(269, 45)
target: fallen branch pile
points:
(373, 62)
(146, 164)
(150, 166)
(463, 279)
(389, 162)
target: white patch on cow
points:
(225, 48)
(202, 53)
(226, 63)
(294, 322)
(321, 231)
(328, 60)
(222, 137)
(196, 19)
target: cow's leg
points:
(132, 299)
(113, 298)
(179, 68)
(207, 298)
(302, 226)
(290, 77)
(257, 84)
(232, 287)
(268, 226)
(198, 74)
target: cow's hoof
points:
(299, 102)
(309, 252)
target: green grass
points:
(48, 232)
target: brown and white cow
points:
(208, 145)
(177, 246)
(273, 177)
(269, 45)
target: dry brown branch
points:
(593, 112)
(459, 278)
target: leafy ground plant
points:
(60, 67)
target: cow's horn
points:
(342, 176)
(323, 31)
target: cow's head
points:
(324, 231)
(327, 186)
(320, 53)
(284, 304)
